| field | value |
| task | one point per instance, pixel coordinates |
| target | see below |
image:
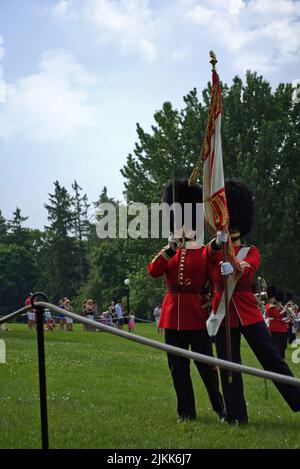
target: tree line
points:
(261, 145)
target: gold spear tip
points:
(193, 177)
(213, 57)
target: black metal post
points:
(42, 367)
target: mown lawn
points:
(107, 392)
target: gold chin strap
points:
(235, 236)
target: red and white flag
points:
(214, 198)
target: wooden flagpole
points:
(213, 62)
(227, 314)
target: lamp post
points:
(127, 282)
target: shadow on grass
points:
(259, 425)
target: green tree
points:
(170, 149)
(60, 212)
(81, 207)
(81, 228)
(260, 140)
(108, 269)
(61, 275)
(18, 276)
(17, 233)
(104, 198)
(3, 227)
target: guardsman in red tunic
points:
(293, 310)
(278, 323)
(245, 316)
(182, 316)
(285, 320)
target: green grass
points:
(108, 392)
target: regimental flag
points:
(214, 198)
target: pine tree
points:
(18, 276)
(17, 233)
(60, 212)
(3, 228)
(170, 150)
(60, 252)
(104, 198)
(82, 227)
(80, 210)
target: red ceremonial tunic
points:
(243, 306)
(185, 274)
(276, 323)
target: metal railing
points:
(39, 307)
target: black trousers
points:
(291, 335)
(280, 339)
(262, 344)
(198, 341)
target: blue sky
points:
(79, 74)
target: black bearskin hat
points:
(289, 297)
(183, 194)
(280, 296)
(241, 206)
(271, 291)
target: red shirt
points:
(28, 301)
(185, 275)
(276, 319)
(243, 306)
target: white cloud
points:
(61, 8)
(254, 62)
(178, 55)
(51, 105)
(263, 34)
(275, 8)
(1, 48)
(201, 15)
(128, 23)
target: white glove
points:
(222, 237)
(226, 268)
(172, 242)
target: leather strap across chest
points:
(186, 289)
(244, 287)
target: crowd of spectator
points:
(64, 322)
(113, 316)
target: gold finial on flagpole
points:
(213, 60)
